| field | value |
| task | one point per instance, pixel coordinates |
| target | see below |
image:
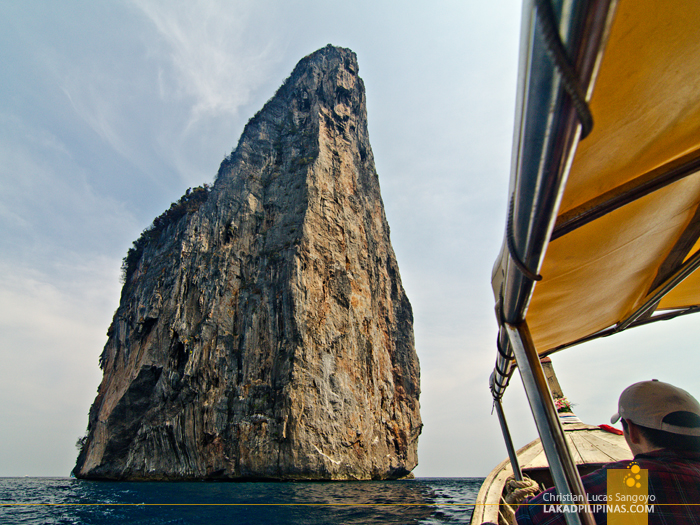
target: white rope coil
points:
(515, 494)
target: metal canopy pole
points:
(515, 465)
(561, 464)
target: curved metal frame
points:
(543, 151)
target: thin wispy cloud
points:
(48, 201)
(217, 59)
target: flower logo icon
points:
(634, 477)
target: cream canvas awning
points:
(628, 216)
(603, 223)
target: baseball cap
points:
(647, 403)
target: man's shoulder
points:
(669, 460)
(659, 458)
(666, 454)
(658, 461)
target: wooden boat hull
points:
(591, 448)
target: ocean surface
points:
(426, 501)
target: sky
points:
(110, 110)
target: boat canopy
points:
(603, 227)
(612, 225)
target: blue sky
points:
(109, 111)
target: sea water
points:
(425, 501)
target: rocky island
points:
(263, 331)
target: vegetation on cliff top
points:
(188, 203)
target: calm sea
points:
(63, 500)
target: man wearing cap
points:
(661, 424)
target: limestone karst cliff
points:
(263, 331)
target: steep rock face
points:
(263, 331)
